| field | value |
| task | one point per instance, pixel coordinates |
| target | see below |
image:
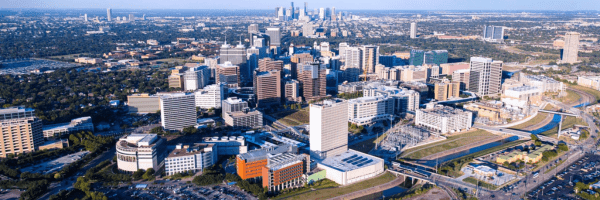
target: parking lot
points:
(177, 190)
(561, 186)
(57, 164)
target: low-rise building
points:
(140, 151)
(250, 164)
(589, 81)
(544, 83)
(285, 170)
(77, 124)
(444, 119)
(228, 146)
(190, 158)
(351, 167)
(533, 156)
(522, 96)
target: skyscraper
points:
(293, 11)
(413, 30)
(569, 52)
(274, 35)
(370, 57)
(21, 131)
(236, 56)
(253, 28)
(485, 76)
(85, 17)
(268, 64)
(229, 74)
(328, 128)
(322, 13)
(196, 78)
(333, 18)
(313, 78)
(131, 17)
(305, 8)
(109, 14)
(268, 88)
(177, 111)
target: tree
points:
(138, 174)
(57, 176)
(149, 174)
(190, 130)
(538, 143)
(563, 147)
(157, 130)
(534, 137)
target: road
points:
(521, 134)
(68, 182)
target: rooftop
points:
(350, 160)
(523, 88)
(186, 150)
(261, 154)
(444, 111)
(280, 161)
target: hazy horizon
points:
(437, 5)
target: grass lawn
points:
(591, 91)
(451, 143)
(321, 184)
(364, 146)
(333, 192)
(481, 183)
(568, 122)
(571, 97)
(293, 117)
(536, 120)
(542, 163)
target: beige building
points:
(462, 78)
(143, 103)
(445, 89)
(176, 81)
(589, 81)
(268, 64)
(21, 131)
(229, 74)
(313, 79)
(292, 91)
(490, 110)
(569, 52)
(450, 68)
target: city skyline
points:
(515, 5)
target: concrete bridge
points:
(521, 134)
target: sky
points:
(312, 4)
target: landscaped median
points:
(480, 183)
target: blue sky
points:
(339, 4)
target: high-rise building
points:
(413, 30)
(85, 17)
(237, 114)
(370, 58)
(176, 81)
(131, 17)
(368, 110)
(313, 78)
(275, 35)
(196, 78)
(292, 91)
(177, 111)
(236, 55)
(21, 130)
(328, 128)
(462, 77)
(322, 13)
(333, 18)
(268, 88)
(569, 52)
(293, 11)
(420, 57)
(445, 89)
(253, 28)
(485, 76)
(211, 96)
(109, 14)
(268, 64)
(305, 8)
(298, 60)
(228, 74)
(493, 33)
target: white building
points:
(351, 167)
(485, 76)
(589, 81)
(211, 96)
(228, 145)
(444, 119)
(140, 151)
(177, 111)
(544, 83)
(522, 96)
(328, 128)
(367, 110)
(196, 78)
(77, 124)
(405, 100)
(186, 158)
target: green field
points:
(591, 91)
(293, 117)
(571, 97)
(333, 192)
(321, 184)
(536, 120)
(451, 143)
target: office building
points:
(140, 151)
(284, 171)
(368, 110)
(227, 146)
(328, 128)
(413, 30)
(292, 91)
(298, 60)
(405, 100)
(444, 119)
(493, 33)
(22, 131)
(237, 114)
(544, 83)
(449, 68)
(211, 96)
(268, 88)
(275, 35)
(131, 18)
(249, 165)
(196, 78)
(236, 55)
(143, 103)
(444, 90)
(462, 77)
(85, 18)
(589, 81)
(76, 125)
(412, 73)
(253, 28)
(190, 158)
(177, 111)
(370, 58)
(108, 14)
(485, 76)
(268, 64)
(228, 74)
(420, 57)
(313, 78)
(176, 79)
(571, 49)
